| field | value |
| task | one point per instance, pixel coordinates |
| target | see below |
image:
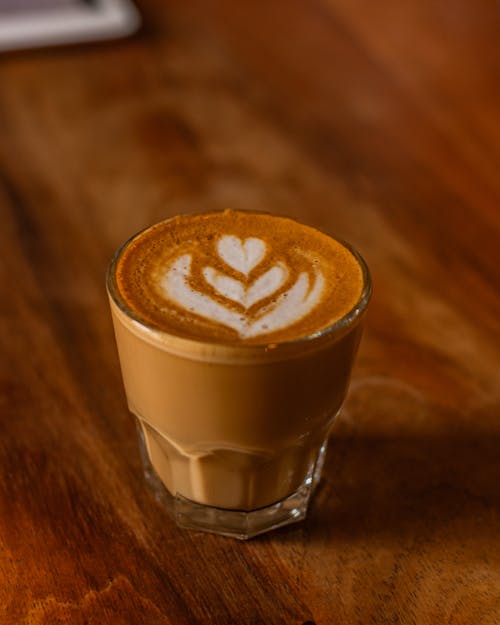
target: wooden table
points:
(375, 120)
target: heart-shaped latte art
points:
(242, 256)
(264, 286)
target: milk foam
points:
(238, 276)
(241, 255)
(244, 256)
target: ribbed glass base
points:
(239, 524)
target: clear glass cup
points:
(233, 437)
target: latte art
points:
(234, 290)
(243, 256)
(238, 277)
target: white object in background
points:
(34, 24)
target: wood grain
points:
(376, 121)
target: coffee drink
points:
(238, 277)
(236, 333)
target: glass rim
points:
(334, 330)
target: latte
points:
(236, 334)
(238, 277)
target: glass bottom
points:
(239, 524)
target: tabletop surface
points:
(378, 121)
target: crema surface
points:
(238, 277)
